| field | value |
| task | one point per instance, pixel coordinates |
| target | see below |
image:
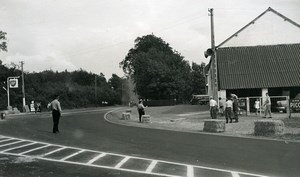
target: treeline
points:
(77, 89)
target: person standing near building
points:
(228, 110)
(213, 108)
(235, 107)
(56, 113)
(257, 105)
(141, 109)
(267, 106)
(221, 106)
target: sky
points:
(96, 35)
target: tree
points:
(3, 44)
(198, 78)
(159, 72)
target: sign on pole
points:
(13, 83)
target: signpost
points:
(12, 82)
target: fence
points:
(254, 106)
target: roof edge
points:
(258, 17)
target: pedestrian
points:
(141, 109)
(56, 113)
(221, 106)
(228, 110)
(257, 105)
(235, 108)
(213, 108)
(267, 106)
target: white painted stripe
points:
(190, 171)
(235, 174)
(51, 152)
(11, 143)
(6, 140)
(72, 155)
(34, 149)
(107, 153)
(122, 162)
(99, 166)
(151, 166)
(96, 158)
(18, 147)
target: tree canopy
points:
(159, 72)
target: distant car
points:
(283, 104)
(200, 99)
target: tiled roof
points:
(259, 66)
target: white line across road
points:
(72, 155)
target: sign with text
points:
(295, 105)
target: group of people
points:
(231, 108)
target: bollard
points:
(214, 125)
(125, 116)
(146, 119)
(268, 127)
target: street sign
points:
(13, 83)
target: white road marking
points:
(6, 140)
(122, 162)
(18, 147)
(190, 168)
(35, 149)
(190, 171)
(235, 174)
(11, 143)
(151, 166)
(72, 155)
(96, 158)
(59, 149)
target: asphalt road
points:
(88, 130)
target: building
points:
(251, 62)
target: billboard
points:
(295, 105)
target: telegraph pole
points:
(23, 85)
(214, 55)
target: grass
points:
(293, 122)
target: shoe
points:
(263, 117)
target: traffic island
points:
(268, 127)
(214, 125)
(146, 119)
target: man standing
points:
(213, 106)
(56, 113)
(228, 110)
(267, 105)
(235, 107)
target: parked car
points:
(283, 104)
(200, 99)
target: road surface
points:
(89, 146)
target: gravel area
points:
(191, 118)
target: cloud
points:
(37, 63)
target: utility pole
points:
(23, 86)
(96, 88)
(214, 55)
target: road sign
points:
(13, 83)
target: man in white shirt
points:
(56, 113)
(228, 110)
(213, 108)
